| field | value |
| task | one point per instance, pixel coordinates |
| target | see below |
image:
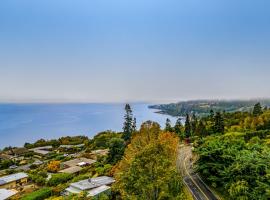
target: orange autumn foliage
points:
(53, 166)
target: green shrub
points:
(39, 194)
(59, 178)
(81, 177)
(38, 179)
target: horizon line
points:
(65, 101)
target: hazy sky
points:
(134, 50)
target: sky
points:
(135, 50)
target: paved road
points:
(199, 190)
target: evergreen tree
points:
(201, 129)
(178, 126)
(193, 123)
(219, 123)
(128, 124)
(168, 126)
(187, 127)
(212, 114)
(134, 124)
(257, 109)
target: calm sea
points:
(20, 123)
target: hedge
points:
(39, 194)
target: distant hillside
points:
(203, 107)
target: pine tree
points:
(219, 123)
(201, 129)
(187, 127)
(128, 124)
(178, 126)
(257, 109)
(134, 126)
(212, 114)
(193, 124)
(168, 126)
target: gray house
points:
(93, 186)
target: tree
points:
(128, 124)
(134, 126)
(4, 164)
(201, 129)
(149, 165)
(257, 110)
(53, 166)
(219, 123)
(212, 114)
(168, 126)
(193, 124)
(187, 126)
(116, 150)
(178, 127)
(239, 190)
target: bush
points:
(5, 164)
(104, 170)
(81, 177)
(59, 178)
(38, 179)
(53, 166)
(39, 194)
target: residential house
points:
(100, 152)
(75, 165)
(13, 181)
(70, 146)
(42, 150)
(93, 186)
(6, 194)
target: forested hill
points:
(203, 107)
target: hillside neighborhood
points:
(28, 170)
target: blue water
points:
(20, 123)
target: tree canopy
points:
(148, 169)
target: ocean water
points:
(20, 123)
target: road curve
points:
(199, 190)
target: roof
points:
(13, 177)
(71, 170)
(82, 163)
(100, 151)
(42, 150)
(20, 151)
(5, 156)
(37, 162)
(75, 162)
(98, 190)
(73, 190)
(5, 194)
(71, 146)
(93, 182)
(44, 147)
